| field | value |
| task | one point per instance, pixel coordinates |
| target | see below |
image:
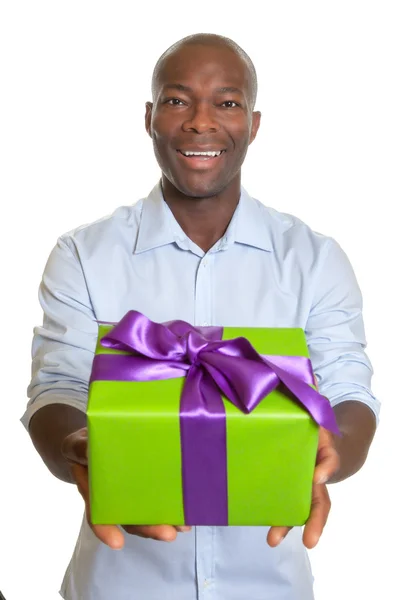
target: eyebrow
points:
(229, 90)
(184, 88)
(178, 86)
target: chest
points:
(242, 286)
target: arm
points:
(63, 351)
(357, 424)
(48, 428)
(336, 341)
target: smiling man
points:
(198, 248)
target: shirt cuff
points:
(371, 402)
(52, 398)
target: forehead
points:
(206, 67)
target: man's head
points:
(204, 90)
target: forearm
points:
(48, 428)
(357, 424)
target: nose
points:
(201, 119)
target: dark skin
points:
(203, 102)
(194, 109)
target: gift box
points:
(202, 426)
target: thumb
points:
(110, 535)
(75, 447)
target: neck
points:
(204, 220)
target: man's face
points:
(202, 103)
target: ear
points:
(149, 111)
(256, 121)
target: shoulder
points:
(120, 227)
(299, 249)
(289, 234)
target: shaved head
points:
(206, 39)
(202, 118)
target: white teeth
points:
(186, 153)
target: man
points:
(199, 248)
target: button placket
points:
(203, 292)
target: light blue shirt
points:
(268, 270)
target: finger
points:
(276, 535)
(75, 447)
(320, 509)
(328, 463)
(107, 534)
(327, 460)
(162, 533)
(182, 528)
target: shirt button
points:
(206, 583)
(205, 324)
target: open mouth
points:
(207, 155)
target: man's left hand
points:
(327, 464)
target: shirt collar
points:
(158, 227)
(249, 223)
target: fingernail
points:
(117, 546)
(323, 479)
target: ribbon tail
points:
(317, 405)
(204, 462)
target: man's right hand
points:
(75, 451)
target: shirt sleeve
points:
(336, 335)
(63, 347)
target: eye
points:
(174, 102)
(230, 104)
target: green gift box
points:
(137, 438)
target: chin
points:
(200, 189)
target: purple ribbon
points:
(213, 367)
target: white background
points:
(336, 148)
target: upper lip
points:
(200, 149)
